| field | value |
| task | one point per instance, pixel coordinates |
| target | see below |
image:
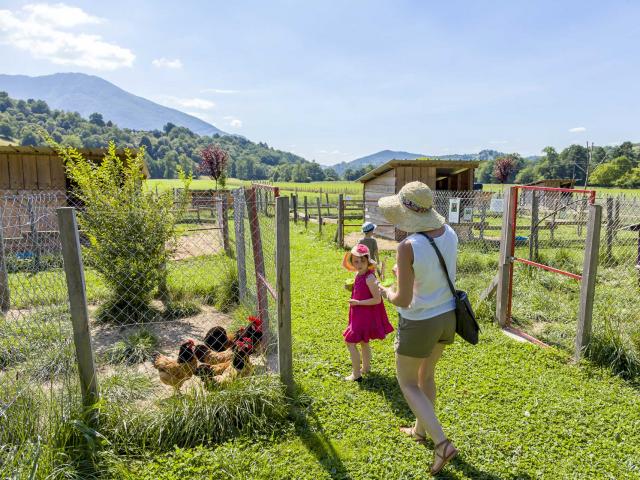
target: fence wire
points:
(37, 359)
(141, 313)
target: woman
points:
(426, 308)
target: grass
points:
(137, 347)
(515, 410)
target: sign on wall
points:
(496, 205)
(454, 210)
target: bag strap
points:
(442, 262)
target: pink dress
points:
(366, 322)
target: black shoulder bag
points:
(466, 325)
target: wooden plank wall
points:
(30, 171)
(374, 190)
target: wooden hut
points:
(388, 179)
(33, 184)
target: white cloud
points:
(233, 121)
(42, 30)
(176, 63)
(577, 129)
(197, 103)
(219, 90)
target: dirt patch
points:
(170, 334)
(383, 244)
(204, 242)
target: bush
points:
(127, 226)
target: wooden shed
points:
(388, 179)
(32, 185)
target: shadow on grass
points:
(388, 387)
(309, 429)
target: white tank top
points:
(431, 293)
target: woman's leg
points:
(407, 371)
(427, 382)
(366, 357)
(355, 361)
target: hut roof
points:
(92, 153)
(419, 162)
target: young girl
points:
(367, 317)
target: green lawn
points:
(514, 410)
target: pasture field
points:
(514, 410)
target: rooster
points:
(224, 372)
(253, 331)
(175, 372)
(217, 339)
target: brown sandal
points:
(411, 431)
(441, 459)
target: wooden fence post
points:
(224, 215)
(283, 289)
(33, 233)
(306, 212)
(295, 208)
(258, 259)
(5, 293)
(483, 219)
(318, 202)
(328, 206)
(588, 285)
(610, 228)
(238, 224)
(340, 221)
(74, 272)
(533, 234)
(505, 265)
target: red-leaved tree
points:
(503, 167)
(214, 163)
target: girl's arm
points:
(372, 283)
(404, 295)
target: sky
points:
(336, 80)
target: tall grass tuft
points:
(137, 347)
(249, 405)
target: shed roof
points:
(419, 162)
(86, 152)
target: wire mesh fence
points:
(174, 304)
(37, 364)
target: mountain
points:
(86, 94)
(384, 156)
(375, 159)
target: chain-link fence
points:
(38, 372)
(174, 303)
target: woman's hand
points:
(354, 302)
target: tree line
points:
(617, 166)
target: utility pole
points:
(586, 171)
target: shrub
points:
(127, 226)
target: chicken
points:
(175, 372)
(225, 372)
(218, 340)
(253, 331)
(211, 357)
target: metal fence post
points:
(5, 293)
(340, 231)
(74, 271)
(238, 224)
(588, 286)
(33, 233)
(318, 203)
(505, 266)
(283, 289)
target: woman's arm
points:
(403, 296)
(372, 283)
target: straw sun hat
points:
(411, 210)
(358, 250)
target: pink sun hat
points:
(358, 250)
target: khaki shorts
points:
(416, 338)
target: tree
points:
(607, 174)
(331, 175)
(504, 167)
(214, 163)
(96, 119)
(527, 175)
(6, 131)
(29, 138)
